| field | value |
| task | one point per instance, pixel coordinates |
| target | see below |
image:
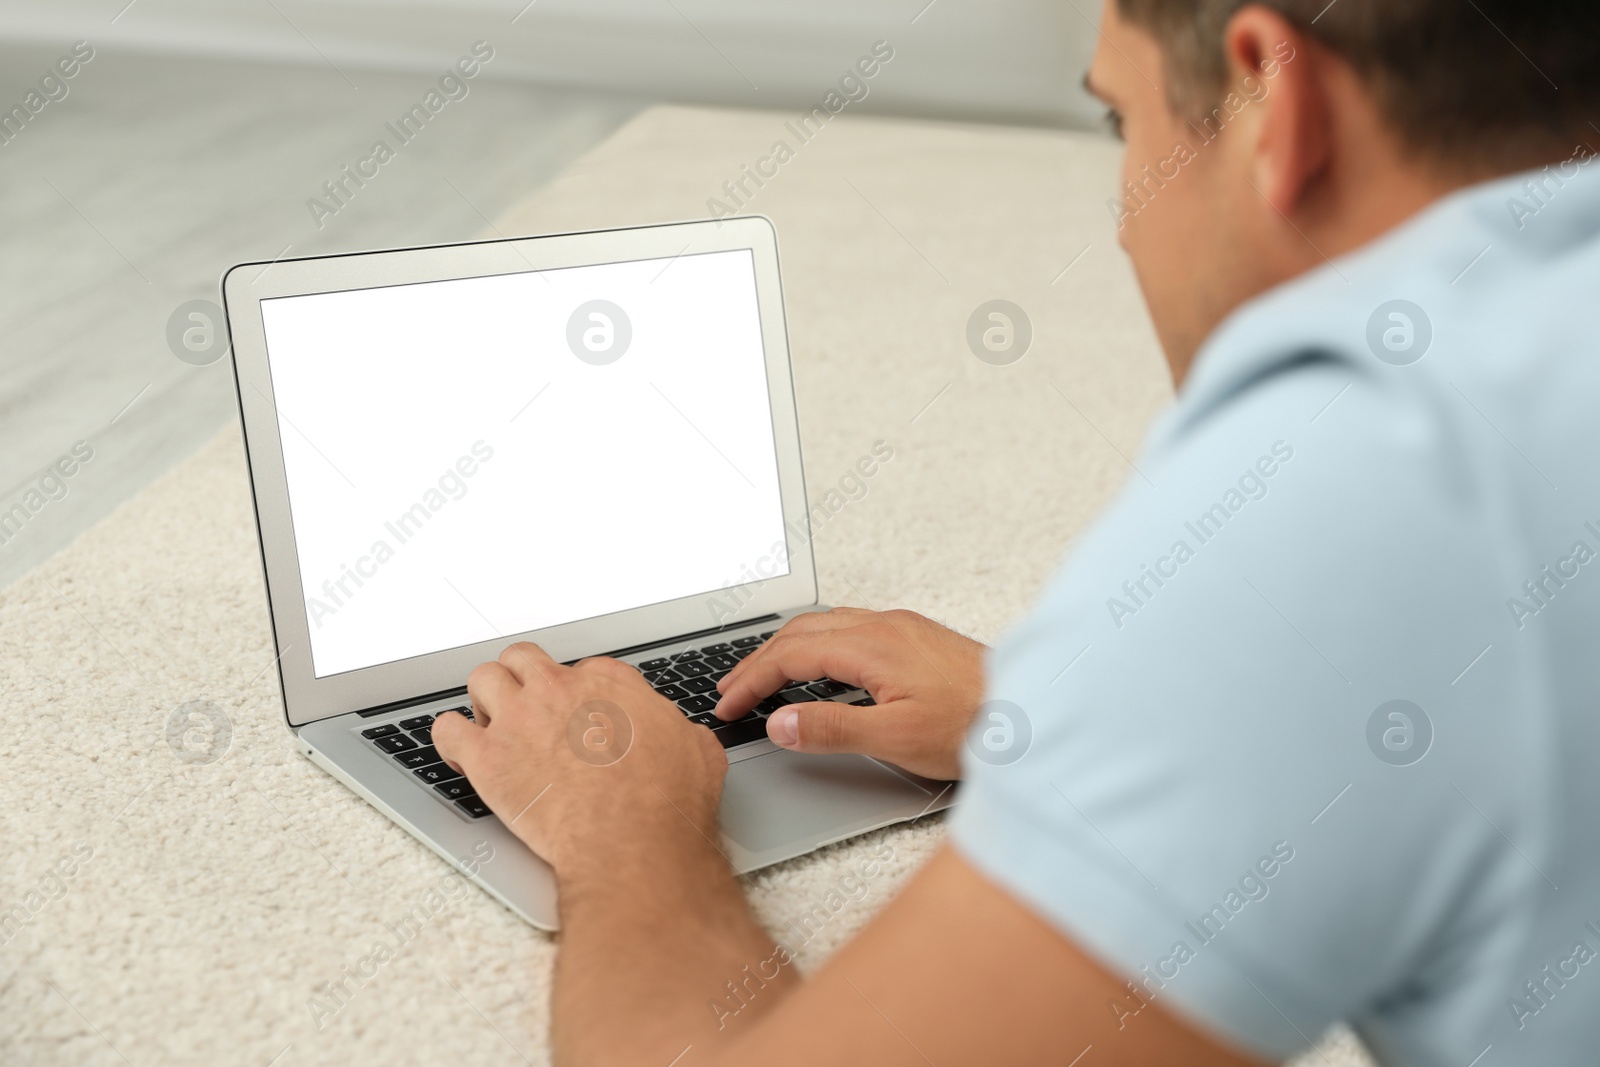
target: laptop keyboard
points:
(410, 743)
(688, 678)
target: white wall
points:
(1010, 60)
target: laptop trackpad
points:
(783, 797)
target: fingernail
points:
(784, 727)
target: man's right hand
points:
(926, 679)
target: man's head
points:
(1265, 138)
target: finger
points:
(828, 726)
(839, 654)
(490, 685)
(458, 741)
(810, 622)
(528, 662)
(828, 619)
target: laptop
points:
(584, 440)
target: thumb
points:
(458, 740)
(826, 726)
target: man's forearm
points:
(649, 947)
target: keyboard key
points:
(672, 691)
(787, 696)
(696, 704)
(768, 635)
(693, 668)
(654, 664)
(827, 688)
(474, 807)
(465, 712)
(397, 743)
(721, 661)
(422, 757)
(699, 685)
(864, 702)
(745, 642)
(705, 718)
(423, 736)
(667, 675)
(717, 676)
(439, 772)
(455, 790)
(685, 656)
(386, 730)
(712, 650)
(750, 728)
(741, 653)
(416, 724)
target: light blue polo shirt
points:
(1307, 727)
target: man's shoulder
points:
(1312, 467)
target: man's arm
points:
(957, 971)
(648, 948)
(608, 782)
(655, 928)
(953, 971)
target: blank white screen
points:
(457, 474)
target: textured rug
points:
(178, 899)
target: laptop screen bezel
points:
(308, 698)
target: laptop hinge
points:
(631, 649)
(411, 702)
(461, 690)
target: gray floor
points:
(132, 195)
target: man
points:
(1311, 711)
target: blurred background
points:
(194, 134)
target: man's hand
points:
(927, 681)
(615, 789)
(584, 763)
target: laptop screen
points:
(481, 457)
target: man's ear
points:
(1275, 68)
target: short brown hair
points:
(1470, 82)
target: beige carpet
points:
(208, 902)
